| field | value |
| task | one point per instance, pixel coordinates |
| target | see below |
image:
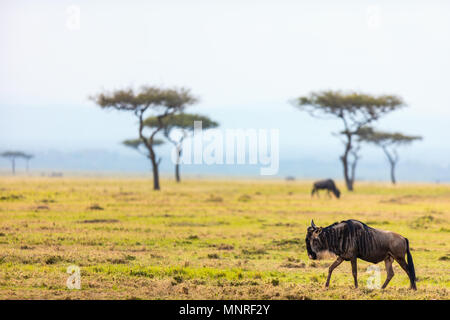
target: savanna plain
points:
(207, 238)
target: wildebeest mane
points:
(339, 239)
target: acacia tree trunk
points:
(179, 149)
(177, 172)
(354, 153)
(155, 170)
(344, 158)
(353, 174)
(155, 176)
(392, 162)
(348, 180)
(151, 153)
(177, 166)
(393, 173)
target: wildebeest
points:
(328, 185)
(352, 239)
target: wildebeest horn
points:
(312, 224)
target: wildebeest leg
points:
(331, 268)
(401, 261)
(313, 191)
(355, 272)
(328, 193)
(390, 271)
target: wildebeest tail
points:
(412, 272)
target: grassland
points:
(204, 239)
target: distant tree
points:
(12, 156)
(28, 157)
(388, 142)
(355, 110)
(161, 102)
(184, 124)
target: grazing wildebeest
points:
(352, 239)
(328, 185)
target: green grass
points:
(205, 239)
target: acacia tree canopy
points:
(15, 154)
(355, 109)
(382, 138)
(136, 143)
(148, 97)
(184, 121)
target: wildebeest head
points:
(313, 242)
(337, 193)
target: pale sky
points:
(244, 59)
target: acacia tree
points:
(12, 156)
(177, 128)
(354, 110)
(28, 157)
(388, 142)
(161, 102)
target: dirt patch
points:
(41, 208)
(12, 197)
(197, 224)
(254, 251)
(95, 207)
(123, 194)
(293, 265)
(48, 201)
(99, 221)
(289, 242)
(123, 260)
(244, 198)
(280, 224)
(225, 247)
(126, 196)
(402, 199)
(53, 259)
(213, 198)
